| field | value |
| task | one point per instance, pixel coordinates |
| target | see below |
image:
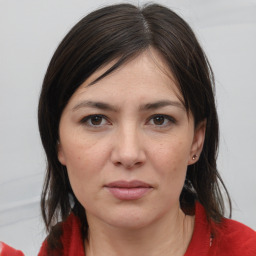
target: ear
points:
(198, 142)
(61, 155)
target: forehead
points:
(146, 75)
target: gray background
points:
(30, 32)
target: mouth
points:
(128, 190)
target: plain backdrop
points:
(30, 32)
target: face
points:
(127, 141)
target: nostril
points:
(138, 163)
(127, 155)
(118, 163)
(128, 165)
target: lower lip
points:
(128, 193)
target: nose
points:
(128, 150)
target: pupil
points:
(96, 120)
(159, 120)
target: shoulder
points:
(70, 242)
(227, 238)
(6, 250)
(236, 238)
(235, 228)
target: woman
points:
(128, 122)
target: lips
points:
(128, 190)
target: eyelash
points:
(89, 118)
(170, 120)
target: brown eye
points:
(159, 120)
(96, 120)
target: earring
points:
(194, 157)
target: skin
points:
(131, 143)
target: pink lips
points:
(128, 190)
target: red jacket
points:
(6, 250)
(232, 238)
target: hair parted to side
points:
(121, 32)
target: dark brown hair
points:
(121, 32)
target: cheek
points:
(172, 156)
(85, 158)
(83, 172)
(83, 152)
(76, 157)
(170, 161)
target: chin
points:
(130, 218)
(130, 223)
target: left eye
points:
(161, 120)
(94, 120)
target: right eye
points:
(95, 120)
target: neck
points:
(168, 236)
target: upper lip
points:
(128, 184)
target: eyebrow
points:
(160, 104)
(109, 107)
(95, 104)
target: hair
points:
(122, 32)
